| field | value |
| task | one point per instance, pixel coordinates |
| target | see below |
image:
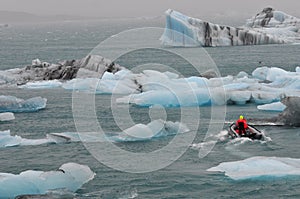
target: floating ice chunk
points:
(69, 176)
(155, 129)
(259, 167)
(8, 140)
(138, 132)
(42, 84)
(275, 106)
(7, 116)
(13, 104)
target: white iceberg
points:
(8, 140)
(7, 116)
(153, 130)
(275, 106)
(69, 176)
(13, 104)
(259, 167)
(267, 27)
(139, 132)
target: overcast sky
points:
(137, 8)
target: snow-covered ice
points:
(70, 176)
(259, 167)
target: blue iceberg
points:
(69, 176)
(13, 104)
(259, 167)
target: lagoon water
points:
(186, 177)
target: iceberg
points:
(275, 106)
(90, 66)
(69, 176)
(7, 116)
(7, 140)
(265, 85)
(290, 107)
(153, 130)
(139, 132)
(259, 167)
(267, 27)
(148, 88)
(13, 104)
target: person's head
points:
(241, 117)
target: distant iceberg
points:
(264, 86)
(14, 104)
(91, 66)
(69, 176)
(260, 167)
(267, 27)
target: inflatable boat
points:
(251, 132)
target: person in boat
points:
(241, 126)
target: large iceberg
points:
(89, 66)
(265, 85)
(69, 176)
(259, 167)
(14, 104)
(267, 27)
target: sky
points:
(146, 8)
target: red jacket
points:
(243, 121)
